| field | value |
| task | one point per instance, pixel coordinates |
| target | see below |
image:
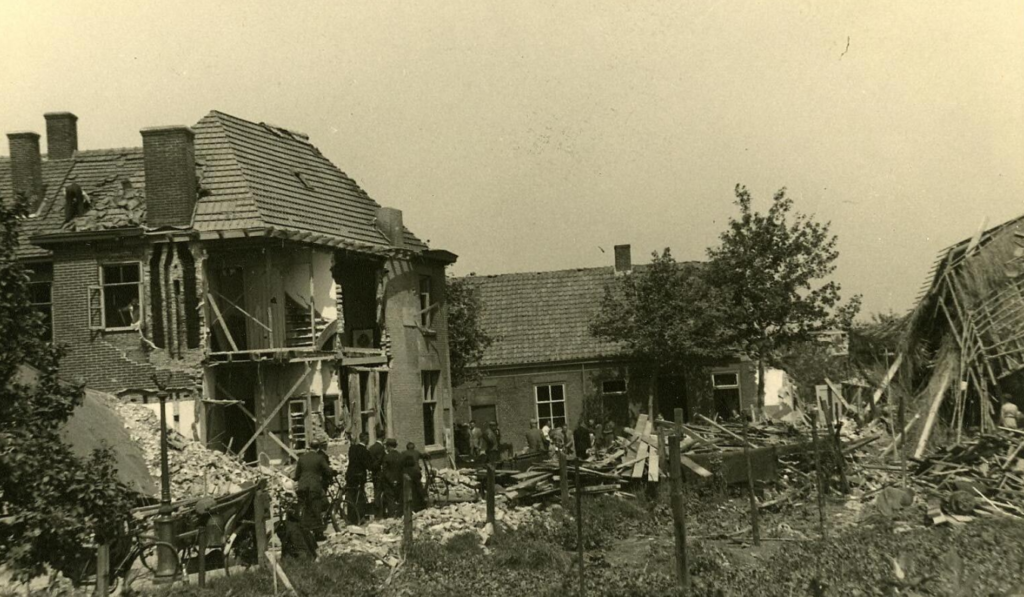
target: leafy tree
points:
(772, 267)
(52, 503)
(467, 341)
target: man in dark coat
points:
(359, 464)
(491, 443)
(394, 463)
(534, 438)
(581, 439)
(377, 451)
(313, 473)
(413, 468)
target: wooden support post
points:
(490, 497)
(837, 444)
(223, 324)
(406, 513)
(579, 523)
(563, 479)
(201, 546)
(678, 513)
(260, 510)
(755, 527)
(270, 417)
(817, 475)
(102, 570)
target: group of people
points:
(485, 443)
(381, 463)
(588, 437)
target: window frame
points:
(622, 392)
(430, 379)
(549, 401)
(47, 306)
(103, 296)
(426, 314)
(733, 386)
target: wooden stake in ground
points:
(817, 474)
(563, 479)
(579, 523)
(755, 527)
(260, 509)
(201, 547)
(490, 497)
(678, 513)
(406, 513)
(102, 570)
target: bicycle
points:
(125, 551)
(343, 509)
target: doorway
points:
(672, 395)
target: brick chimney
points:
(623, 259)
(61, 135)
(171, 186)
(26, 166)
(389, 220)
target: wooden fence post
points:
(678, 513)
(563, 479)
(102, 570)
(201, 541)
(817, 475)
(755, 527)
(490, 497)
(406, 513)
(260, 510)
(579, 523)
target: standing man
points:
(476, 438)
(359, 464)
(377, 451)
(412, 460)
(534, 438)
(313, 473)
(392, 470)
(581, 439)
(490, 443)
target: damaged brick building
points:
(545, 364)
(235, 265)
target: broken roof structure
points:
(965, 338)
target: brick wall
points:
(116, 362)
(170, 175)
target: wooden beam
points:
(693, 466)
(284, 447)
(244, 312)
(933, 412)
(220, 320)
(266, 422)
(887, 379)
(742, 441)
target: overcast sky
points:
(528, 136)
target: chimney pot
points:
(171, 185)
(61, 135)
(389, 220)
(26, 166)
(623, 259)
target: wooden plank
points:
(891, 373)
(693, 466)
(641, 424)
(266, 422)
(724, 430)
(653, 464)
(933, 412)
(284, 447)
(642, 450)
(220, 320)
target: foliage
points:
(809, 363)
(772, 267)
(467, 341)
(666, 314)
(52, 503)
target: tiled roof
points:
(252, 176)
(262, 175)
(543, 317)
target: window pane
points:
(614, 386)
(39, 293)
(130, 272)
(725, 379)
(543, 410)
(121, 306)
(560, 421)
(557, 393)
(429, 430)
(543, 394)
(558, 409)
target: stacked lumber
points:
(986, 472)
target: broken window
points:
(551, 405)
(613, 386)
(429, 382)
(727, 394)
(119, 297)
(40, 291)
(426, 313)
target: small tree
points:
(52, 503)
(772, 267)
(667, 314)
(467, 341)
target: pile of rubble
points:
(195, 471)
(383, 539)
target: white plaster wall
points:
(777, 388)
(180, 415)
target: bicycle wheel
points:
(148, 556)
